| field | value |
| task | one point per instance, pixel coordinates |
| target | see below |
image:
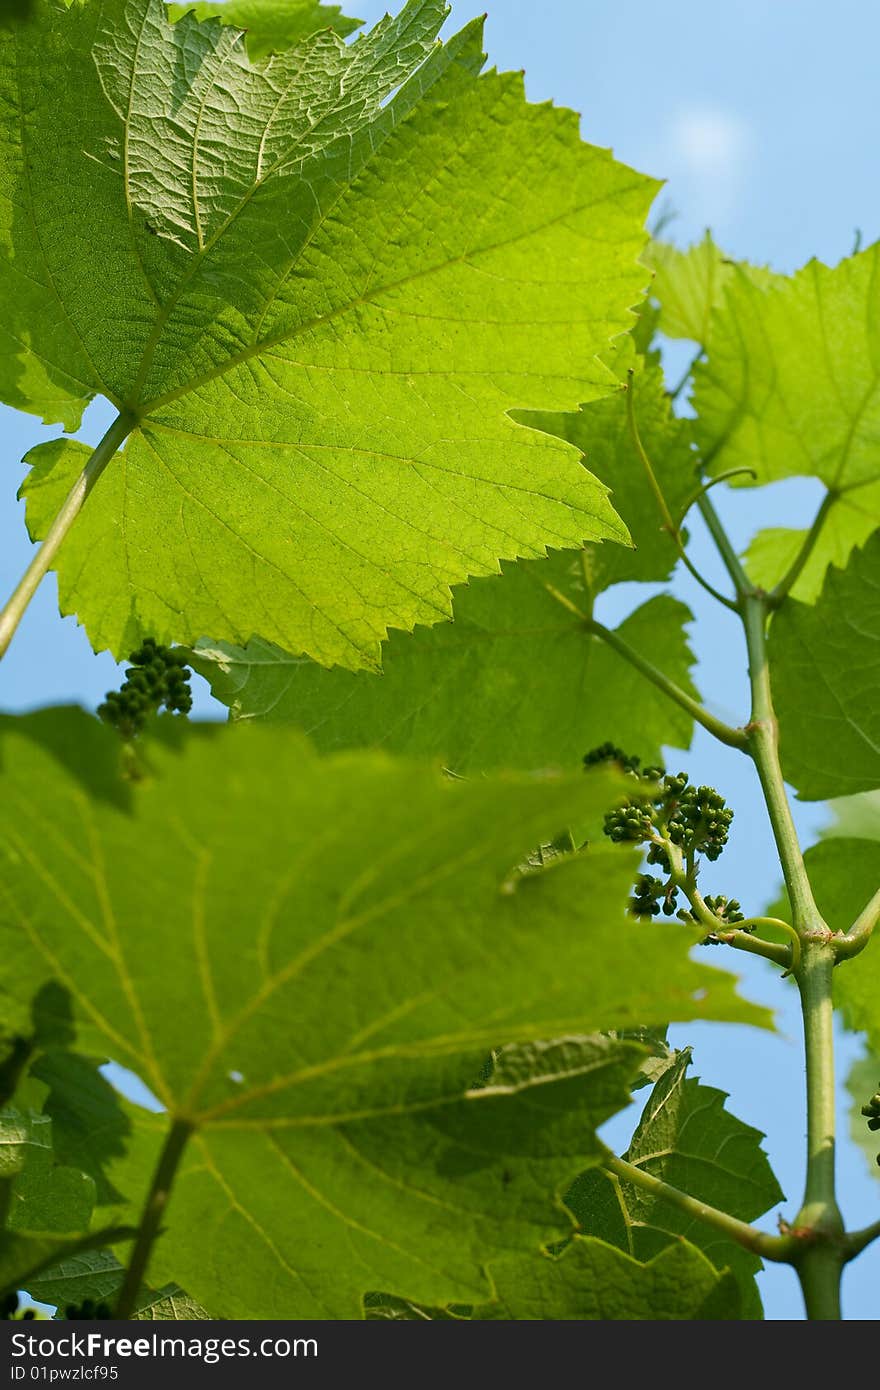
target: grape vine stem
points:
(734, 738)
(816, 1243)
(73, 504)
(151, 1217)
(793, 573)
(821, 1257)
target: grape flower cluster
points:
(157, 676)
(696, 820)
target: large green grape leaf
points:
(791, 383)
(45, 1207)
(307, 959)
(690, 284)
(321, 313)
(686, 1137)
(272, 25)
(514, 681)
(825, 665)
(97, 1275)
(593, 1280)
(855, 817)
(852, 519)
(600, 430)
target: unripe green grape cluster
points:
(651, 896)
(727, 909)
(158, 676)
(700, 821)
(696, 819)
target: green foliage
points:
(853, 518)
(600, 430)
(88, 1309)
(45, 1208)
(845, 874)
(313, 997)
(686, 1137)
(515, 681)
(389, 395)
(271, 26)
(324, 320)
(789, 386)
(690, 285)
(592, 1280)
(825, 661)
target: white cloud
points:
(709, 142)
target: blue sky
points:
(765, 122)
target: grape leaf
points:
(689, 285)
(98, 1275)
(593, 1280)
(845, 874)
(825, 664)
(515, 681)
(791, 384)
(45, 1208)
(852, 519)
(272, 25)
(686, 1137)
(321, 315)
(95, 1274)
(307, 960)
(855, 817)
(170, 1304)
(601, 431)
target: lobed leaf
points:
(321, 286)
(687, 1138)
(515, 681)
(689, 285)
(825, 665)
(307, 960)
(592, 1280)
(790, 386)
(853, 518)
(845, 875)
(45, 1207)
(271, 26)
(601, 431)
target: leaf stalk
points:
(151, 1217)
(781, 1249)
(734, 738)
(17, 605)
(669, 525)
